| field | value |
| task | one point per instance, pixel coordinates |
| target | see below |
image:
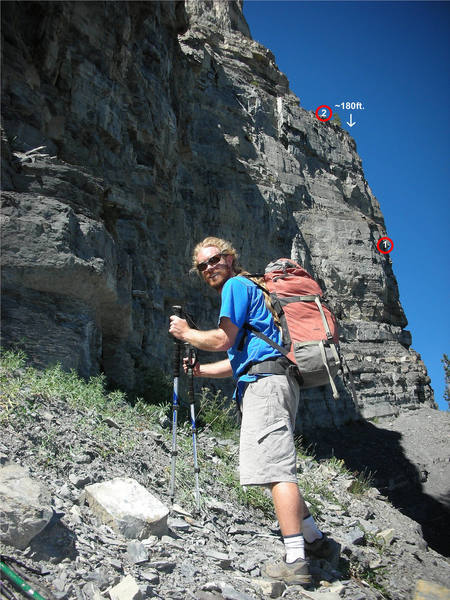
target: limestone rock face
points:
(227, 16)
(131, 131)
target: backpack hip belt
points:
(276, 366)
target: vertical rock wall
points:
(155, 124)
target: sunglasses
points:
(213, 260)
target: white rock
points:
(128, 508)
(386, 536)
(127, 589)
(272, 589)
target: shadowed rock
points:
(25, 506)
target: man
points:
(268, 401)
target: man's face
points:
(215, 275)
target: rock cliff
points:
(133, 129)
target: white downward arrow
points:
(351, 122)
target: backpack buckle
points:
(294, 372)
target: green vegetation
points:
(24, 386)
(336, 119)
(155, 387)
(305, 451)
(362, 483)
(370, 577)
(375, 541)
(25, 392)
(215, 413)
(255, 497)
(114, 424)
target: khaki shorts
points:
(267, 452)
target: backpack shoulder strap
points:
(278, 310)
(263, 336)
(257, 276)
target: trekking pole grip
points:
(177, 311)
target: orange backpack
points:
(309, 328)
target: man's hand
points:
(196, 368)
(219, 369)
(179, 328)
(214, 340)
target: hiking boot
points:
(321, 548)
(295, 573)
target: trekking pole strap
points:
(192, 361)
(190, 320)
(177, 311)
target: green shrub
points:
(156, 387)
(216, 413)
(336, 119)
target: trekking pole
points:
(19, 583)
(192, 359)
(176, 376)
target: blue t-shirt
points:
(243, 302)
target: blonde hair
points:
(226, 248)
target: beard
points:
(217, 278)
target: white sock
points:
(295, 547)
(310, 530)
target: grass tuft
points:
(217, 414)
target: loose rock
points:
(127, 589)
(24, 506)
(128, 508)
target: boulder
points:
(25, 506)
(127, 589)
(128, 508)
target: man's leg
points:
(294, 517)
(288, 504)
(289, 507)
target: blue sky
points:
(392, 57)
